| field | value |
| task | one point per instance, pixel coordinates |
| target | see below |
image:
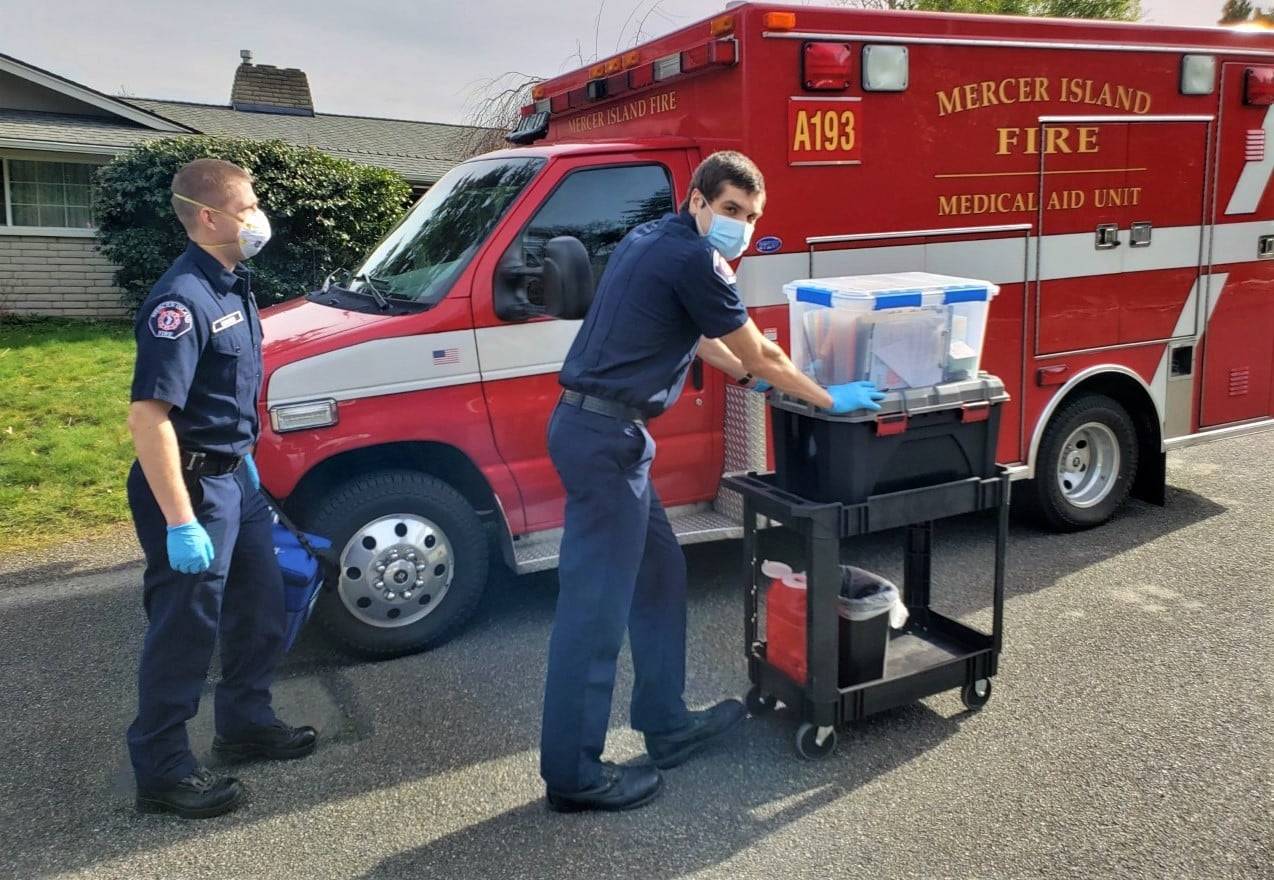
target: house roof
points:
(92, 97)
(32, 129)
(419, 151)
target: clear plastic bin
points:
(899, 330)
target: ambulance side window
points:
(599, 206)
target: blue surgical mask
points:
(729, 236)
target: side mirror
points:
(568, 278)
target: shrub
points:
(325, 212)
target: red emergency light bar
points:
(610, 79)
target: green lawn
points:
(64, 444)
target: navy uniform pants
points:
(621, 568)
(239, 600)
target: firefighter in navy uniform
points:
(204, 527)
(667, 294)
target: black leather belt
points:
(603, 407)
(208, 464)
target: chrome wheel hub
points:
(395, 570)
(1088, 465)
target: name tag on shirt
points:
(227, 321)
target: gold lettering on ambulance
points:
(1025, 89)
(1087, 91)
(987, 203)
(635, 109)
(1117, 197)
(801, 137)
(1009, 140)
(1066, 199)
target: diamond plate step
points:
(693, 525)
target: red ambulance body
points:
(1113, 179)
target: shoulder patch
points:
(170, 320)
(722, 268)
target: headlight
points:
(299, 416)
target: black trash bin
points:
(865, 606)
(920, 437)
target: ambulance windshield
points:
(427, 251)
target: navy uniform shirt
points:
(664, 287)
(199, 348)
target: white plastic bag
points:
(865, 595)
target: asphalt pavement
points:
(1129, 734)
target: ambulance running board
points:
(693, 524)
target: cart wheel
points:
(758, 704)
(808, 745)
(976, 694)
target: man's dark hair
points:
(721, 168)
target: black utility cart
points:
(933, 653)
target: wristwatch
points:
(746, 380)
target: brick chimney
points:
(264, 88)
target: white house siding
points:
(47, 275)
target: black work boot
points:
(201, 795)
(621, 788)
(667, 750)
(275, 742)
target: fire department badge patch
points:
(722, 268)
(171, 320)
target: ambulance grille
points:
(1240, 380)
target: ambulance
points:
(1112, 179)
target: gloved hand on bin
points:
(854, 396)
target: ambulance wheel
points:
(413, 562)
(808, 745)
(758, 704)
(1085, 465)
(975, 695)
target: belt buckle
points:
(195, 460)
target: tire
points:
(976, 694)
(423, 599)
(808, 746)
(1085, 488)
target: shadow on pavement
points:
(67, 687)
(710, 810)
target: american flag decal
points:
(1255, 146)
(445, 356)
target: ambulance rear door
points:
(1238, 343)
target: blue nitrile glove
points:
(854, 396)
(189, 548)
(254, 477)
(760, 386)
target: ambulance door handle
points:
(1107, 236)
(1139, 234)
(696, 374)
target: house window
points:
(49, 195)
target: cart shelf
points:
(932, 654)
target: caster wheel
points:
(976, 694)
(758, 704)
(809, 744)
